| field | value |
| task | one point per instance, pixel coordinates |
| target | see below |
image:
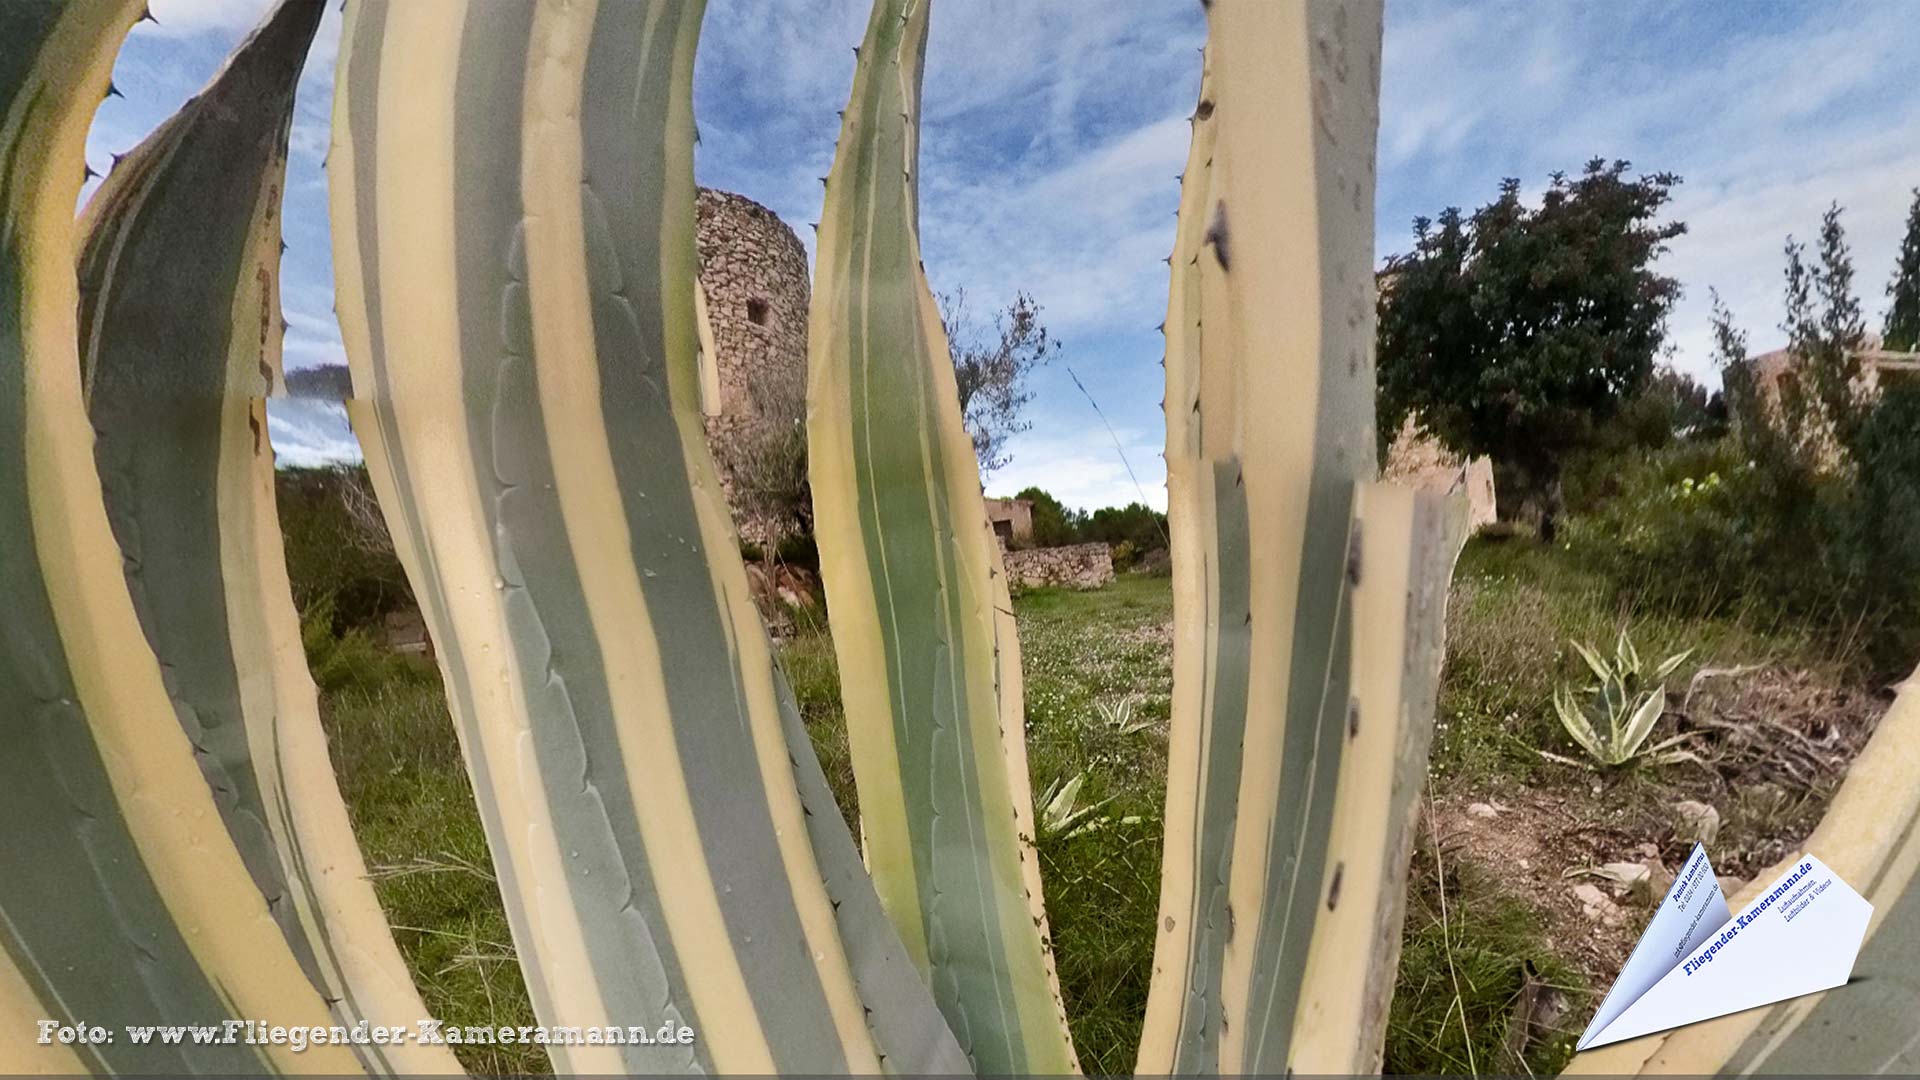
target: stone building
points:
(1774, 371)
(752, 309)
(1417, 459)
(1876, 366)
(1012, 520)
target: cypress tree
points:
(1903, 317)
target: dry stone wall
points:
(1079, 566)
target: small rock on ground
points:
(1596, 905)
(1695, 822)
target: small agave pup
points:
(1624, 702)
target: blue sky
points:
(1055, 128)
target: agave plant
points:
(1061, 815)
(512, 195)
(1118, 717)
(1623, 703)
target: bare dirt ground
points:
(1773, 746)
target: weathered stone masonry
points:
(1078, 566)
(753, 273)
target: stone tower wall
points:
(753, 271)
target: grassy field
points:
(1097, 677)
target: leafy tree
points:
(340, 562)
(1518, 331)
(1136, 524)
(1903, 317)
(1746, 410)
(991, 365)
(1789, 480)
(1672, 407)
(1053, 524)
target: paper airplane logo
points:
(1698, 960)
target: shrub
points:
(1673, 411)
(335, 555)
(1886, 530)
(801, 550)
(1685, 525)
(353, 659)
(1706, 531)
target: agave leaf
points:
(1649, 712)
(1060, 798)
(1562, 758)
(1302, 702)
(1061, 818)
(513, 210)
(1602, 674)
(928, 658)
(122, 896)
(180, 343)
(1575, 721)
(1398, 631)
(1671, 741)
(1615, 702)
(1871, 838)
(1099, 823)
(1207, 520)
(905, 1021)
(1629, 656)
(1668, 665)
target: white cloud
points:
(313, 107)
(1087, 238)
(308, 433)
(186, 18)
(1737, 230)
(1082, 468)
(313, 335)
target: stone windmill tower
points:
(752, 304)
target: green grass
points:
(394, 750)
(1081, 651)
(809, 665)
(1464, 964)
